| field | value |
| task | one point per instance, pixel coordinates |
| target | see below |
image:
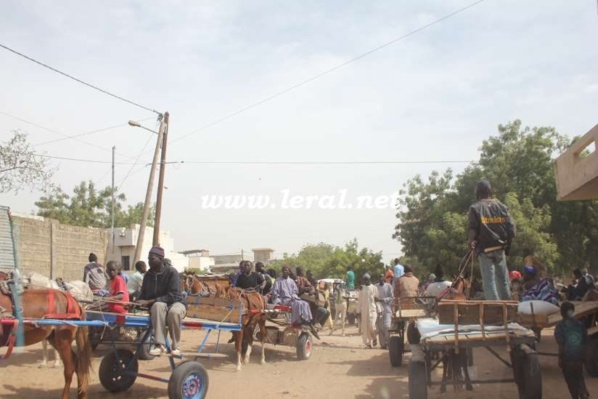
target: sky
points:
(270, 82)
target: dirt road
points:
(339, 368)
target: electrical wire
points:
(66, 136)
(86, 133)
(328, 71)
(78, 80)
(134, 164)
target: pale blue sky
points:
(433, 96)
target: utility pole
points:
(112, 208)
(156, 240)
(148, 194)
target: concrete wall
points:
(55, 250)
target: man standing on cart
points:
(490, 232)
(161, 292)
(384, 308)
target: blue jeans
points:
(495, 276)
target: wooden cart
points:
(455, 341)
(587, 311)
(407, 310)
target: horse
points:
(254, 315)
(51, 303)
(206, 286)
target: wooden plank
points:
(592, 330)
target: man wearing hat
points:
(366, 307)
(160, 291)
(490, 232)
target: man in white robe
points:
(366, 307)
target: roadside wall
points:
(56, 250)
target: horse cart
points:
(277, 318)
(587, 312)
(407, 311)
(456, 340)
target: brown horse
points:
(53, 304)
(254, 315)
(211, 286)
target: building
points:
(121, 247)
(200, 259)
(263, 255)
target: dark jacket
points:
(251, 281)
(490, 224)
(163, 287)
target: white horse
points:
(435, 289)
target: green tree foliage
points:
(90, 208)
(20, 166)
(519, 163)
(328, 261)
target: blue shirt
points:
(572, 335)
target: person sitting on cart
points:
(537, 288)
(407, 285)
(314, 298)
(571, 336)
(285, 292)
(134, 284)
(161, 292)
(95, 276)
(248, 279)
(268, 280)
(118, 291)
(577, 292)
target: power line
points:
(265, 162)
(86, 133)
(328, 71)
(78, 80)
(63, 134)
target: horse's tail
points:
(83, 363)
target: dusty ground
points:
(339, 368)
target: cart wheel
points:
(143, 348)
(304, 345)
(118, 370)
(531, 381)
(418, 387)
(396, 347)
(189, 380)
(591, 363)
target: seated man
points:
(248, 279)
(407, 285)
(95, 276)
(577, 292)
(161, 292)
(118, 290)
(307, 291)
(285, 292)
(536, 288)
(134, 284)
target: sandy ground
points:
(339, 368)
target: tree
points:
(519, 164)
(328, 261)
(90, 208)
(20, 166)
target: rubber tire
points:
(527, 373)
(396, 347)
(113, 367)
(143, 349)
(304, 346)
(591, 363)
(191, 376)
(418, 387)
